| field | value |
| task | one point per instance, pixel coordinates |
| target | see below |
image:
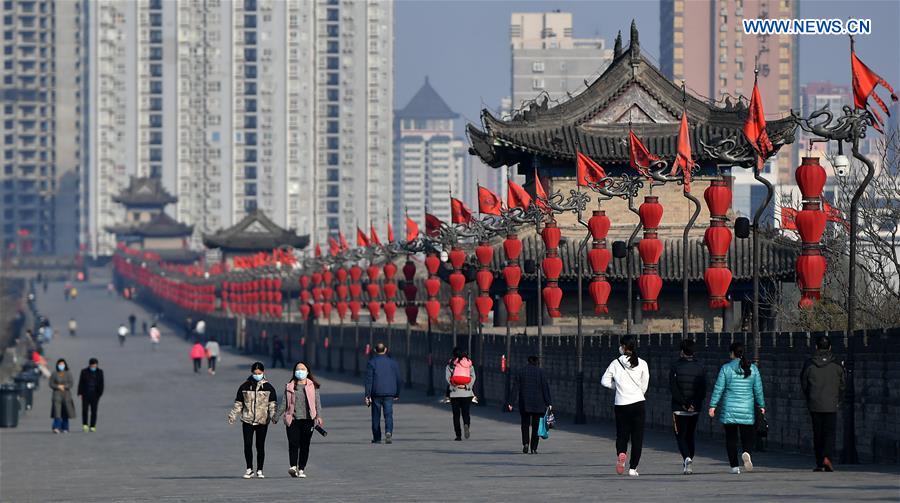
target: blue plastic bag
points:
(543, 429)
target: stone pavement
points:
(163, 437)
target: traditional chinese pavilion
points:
(255, 233)
(632, 94)
(147, 226)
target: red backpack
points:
(461, 372)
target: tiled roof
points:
(255, 232)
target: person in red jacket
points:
(197, 355)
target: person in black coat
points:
(533, 393)
(822, 381)
(687, 380)
(90, 388)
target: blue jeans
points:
(387, 404)
(61, 424)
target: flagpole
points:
(685, 253)
(579, 334)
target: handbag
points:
(543, 429)
(550, 417)
(761, 424)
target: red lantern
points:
(718, 240)
(355, 306)
(355, 273)
(599, 291)
(512, 274)
(432, 286)
(304, 311)
(651, 212)
(342, 309)
(650, 286)
(552, 267)
(390, 310)
(390, 290)
(432, 262)
(598, 258)
(650, 249)
(512, 247)
(513, 302)
(326, 310)
(433, 308)
(374, 309)
(372, 290)
(552, 296)
(457, 282)
(409, 290)
(551, 235)
(412, 313)
(810, 273)
(717, 281)
(390, 270)
(372, 272)
(457, 306)
(341, 275)
(409, 270)
(326, 277)
(718, 197)
(484, 278)
(811, 178)
(317, 309)
(484, 304)
(457, 257)
(484, 253)
(810, 225)
(599, 225)
(342, 292)
(316, 278)
(810, 221)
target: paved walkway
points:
(163, 437)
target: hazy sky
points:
(463, 45)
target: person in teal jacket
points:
(737, 393)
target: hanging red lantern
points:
(355, 290)
(513, 302)
(409, 270)
(412, 313)
(484, 253)
(341, 275)
(484, 278)
(432, 286)
(810, 225)
(326, 310)
(457, 282)
(810, 222)
(457, 257)
(355, 273)
(372, 272)
(409, 290)
(304, 311)
(810, 274)
(457, 306)
(316, 278)
(717, 281)
(433, 308)
(390, 290)
(484, 304)
(326, 278)
(390, 310)
(551, 266)
(599, 291)
(390, 270)
(598, 259)
(811, 178)
(372, 290)
(432, 262)
(513, 275)
(355, 306)
(512, 247)
(650, 250)
(552, 296)
(718, 240)
(341, 309)
(317, 310)
(342, 292)
(374, 309)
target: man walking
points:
(90, 388)
(277, 353)
(123, 332)
(687, 381)
(383, 384)
(132, 319)
(822, 380)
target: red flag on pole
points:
(432, 225)
(344, 245)
(864, 83)
(540, 194)
(318, 250)
(459, 213)
(588, 170)
(488, 202)
(390, 232)
(516, 196)
(755, 126)
(788, 218)
(333, 246)
(412, 229)
(361, 238)
(639, 156)
(373, 236)
(683, 158)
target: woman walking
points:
(629, 376)
(532, 391)
(302, 412)
(212, 355)
(737, 393)
(154, 336)
(687, 381)
(63, 407)
(460, 377)
(197, 356)
(255, 401)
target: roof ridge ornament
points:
(635, 47)
(617, 48)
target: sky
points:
(463, 45)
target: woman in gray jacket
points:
(460, 377)
(302, 412)
(63, 407)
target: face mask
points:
(60, 367)
(621, 350)
(301, 374)
(93, 369)
(258, 377)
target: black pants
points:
(89, 402)
(630, 428)
(299, 434)
(824, 426)
(197, 364)
(685, 426)
(460, 406)
(277, 358)
(261, 430)
(530, 421)
(748, 438)
(211, 363)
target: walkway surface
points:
(163, 437)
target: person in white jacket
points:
(629, 376)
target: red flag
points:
(333, 246)
(788, 219)
(516, 196)
(390, 232)
(412, 229)
(459, 213)
(432, 225)
(361, 238)
(540, 194)
(640, 157)
(683, 158)
(755, 126)
(864, 83)
(488, 202)
(833, 214)
(373, 236)
(344, 245)
(588, 170)
(318, 250)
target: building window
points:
(156, 87)
(333, 79)
(156, 155)
(249, 122)
(156, 120)
(156, 104)
(332, 207)
(537, 84)
(250, 155)
(250, 71)
(156, 53)
(333, 159)
(250, 205)
(332, 127)
(250, 37)
(332, 47)
(250, 88)
(250, 105)
(332, 15)
(250, 138)
(156, 138)
(249, 20)
(250, 172)
(333, 63)
(332, 143)
(156, 36)
(249, 54)
(156, 70)
(249, 4)
(332, 95)
(332, 30)
(249, 189)
(333, 111)
(156, 4)
(537, 67)
(331, 190)
(155, 19)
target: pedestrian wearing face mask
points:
(90, 388)
(629, 376)
(302, 412)
(63, 407)
(256, 402)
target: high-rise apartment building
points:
(430, 162)
(278, 105)
(702, 42)
(546, 58)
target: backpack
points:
(461, 374)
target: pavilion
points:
(255, 233)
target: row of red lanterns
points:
(717, 239)
(650, 250)
(811, 264)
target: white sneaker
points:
(688, 466)
(748, 463)
(736, 470)
(292, 471)
(259, 474)
(249, 473)
(301, 474)
(633, 473)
